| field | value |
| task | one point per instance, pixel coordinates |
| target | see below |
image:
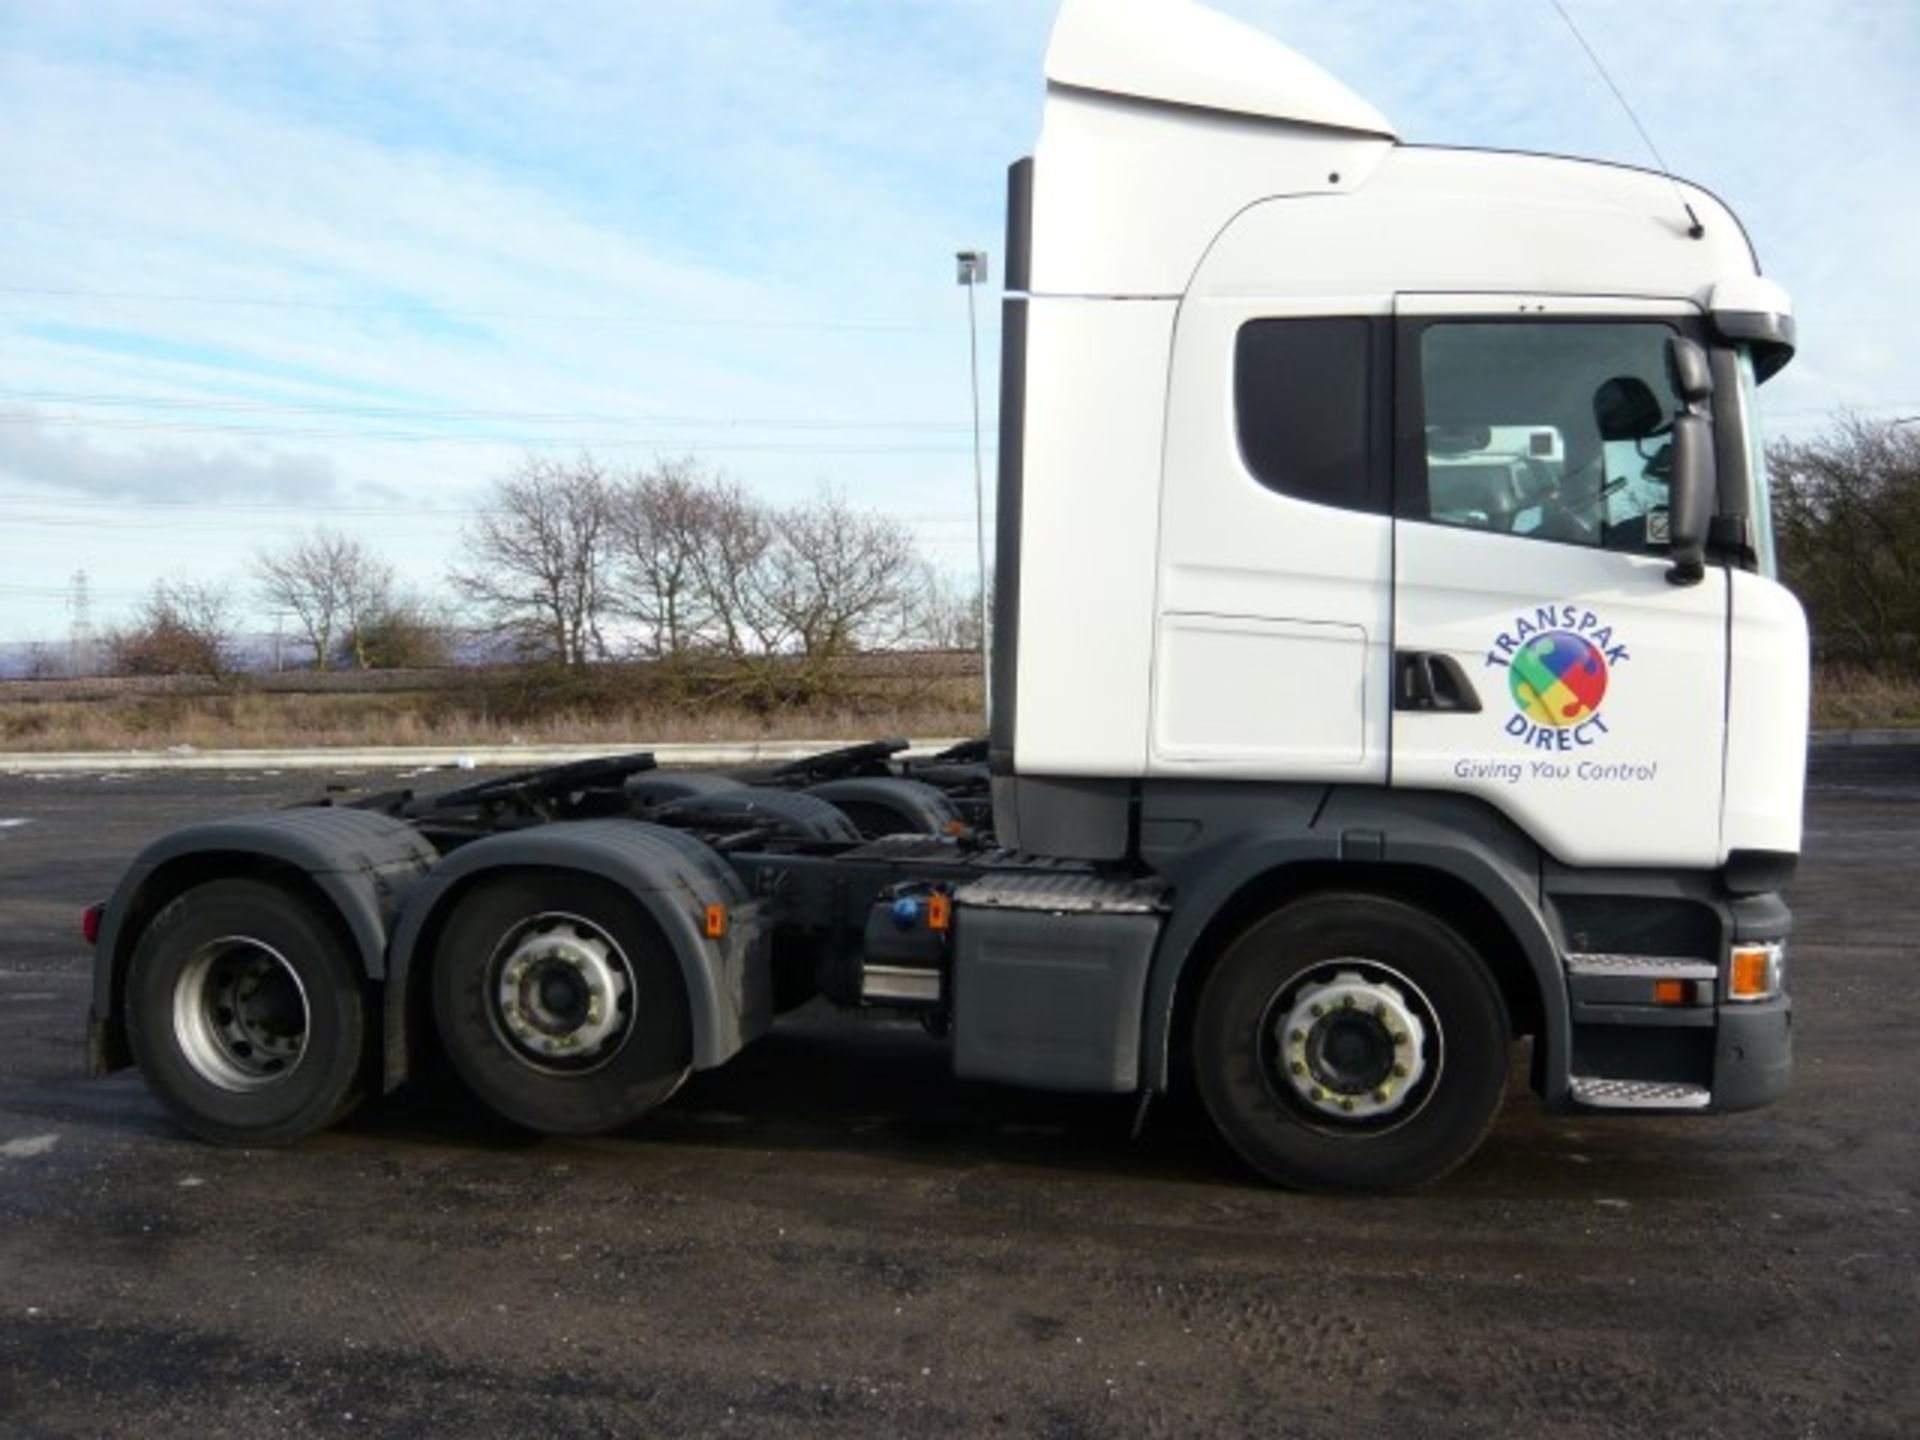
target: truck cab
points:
(1427, 483)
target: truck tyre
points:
(1351, 1042)
(247, 1015)
(889, 805)
(561, 1003)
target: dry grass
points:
(525, 708)
(1848, 698)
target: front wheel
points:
(247, 1015)
(1351, 1042)
(560, 1003)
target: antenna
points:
(1694, 228)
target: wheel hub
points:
(1352, 1048)
(563, 991)
(240, 1014)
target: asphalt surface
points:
(831, 1236)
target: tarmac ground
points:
(831, 1235)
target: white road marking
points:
(13, 824)
(28, 1146)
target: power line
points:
(436, 312)
(693, 445)
(122, 400)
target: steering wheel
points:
(1576, 521)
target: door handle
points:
(1430, 680)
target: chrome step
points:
(1602, 1094)
(1643, 967)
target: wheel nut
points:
(1382, 1095)
(1400, 1072)
(1298, 1037)
(1399, 1037)
(1316, 1009)
(1346, 1104)
(1346, 1002)
(1299, 1067)
(1379, 1009)
(1317, 1093)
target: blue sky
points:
(265, 265)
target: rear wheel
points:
(1351, 1042)
(247, 1015)
(560, 1003)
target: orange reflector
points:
(1673, 992)
(956, 827)
(1749, 980)
(716, 922)
(939, 911)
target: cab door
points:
(1274, 589)
(1543, 658)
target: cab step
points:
(1601, 1094)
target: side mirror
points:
(1694, 483)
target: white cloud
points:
(36, 454)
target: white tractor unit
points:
(1388, 666)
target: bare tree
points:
(733, 575)
(183, 628)
(537, 559)
(332, 585)
(947, 616)
(841, 580)
(664, 520)
(844, 579)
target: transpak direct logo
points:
(1559, 663)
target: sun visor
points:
(1755, 312)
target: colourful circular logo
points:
(1558, 679)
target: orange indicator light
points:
(716, 922)
(1749, 974)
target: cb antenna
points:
(1694, 228)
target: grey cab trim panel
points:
(364, 864)
(1019, 266)
(1004, 662)
(673, 876)
(1216, 841)
(1068, 817)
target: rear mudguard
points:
(357, 866)
(673, 876)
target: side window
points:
(1305, 406)
(1548, 430)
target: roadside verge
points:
(416, 757)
